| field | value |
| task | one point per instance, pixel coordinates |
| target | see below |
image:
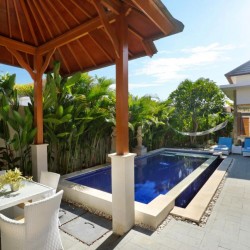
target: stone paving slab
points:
(69, 212)
(86, 228)
(227, 228)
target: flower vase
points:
(15, 186)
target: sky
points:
(215, 40)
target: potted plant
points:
(12, 177)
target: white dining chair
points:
(50, 179)
(39, 229)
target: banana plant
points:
(17, 131)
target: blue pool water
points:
(155, 174)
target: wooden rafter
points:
(8, 15)
(101, 48)
(27, 16)
(110, 32)
(87, 53)
(81, 9)
(21, 61)
(58, 15)
(44, 19)
(74, 56)
(47, 11)
(18, 21)
(36, 20)
(64, 60)
(73, 34)
(12, 44)
(68, 11)
(152, 11)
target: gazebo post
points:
(39, 149)
(122, 162)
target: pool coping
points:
(196, 208)
(153, 213)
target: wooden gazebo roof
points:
(83, 32)
(83, 35)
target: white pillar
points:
(39, 160)
(123, 205)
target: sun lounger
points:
(224, 145)
(246, 149)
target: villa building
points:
(239, 91)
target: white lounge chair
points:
(38, 231)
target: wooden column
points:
(38, 99)
(122, 135)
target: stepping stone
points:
(69, 212)
(87, 228)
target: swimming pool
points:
(155, 175)
(152, 213)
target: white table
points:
(31, 190)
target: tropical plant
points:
(17, 129)
(151, 114)
(199, 105)
(76, 114)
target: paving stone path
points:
(227, 228)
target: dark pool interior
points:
(156, 174)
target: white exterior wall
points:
(243, 96)
(242, 80)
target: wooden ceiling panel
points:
(96, 52)
(80, 55)
(103, 40)
(134, 44)
(142, 25)
(5, 56)
(3, 18)
(39, 23)
(80, 30)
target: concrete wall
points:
(243, 96)
(243, 80)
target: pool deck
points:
(227, 228)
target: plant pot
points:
(15, 187)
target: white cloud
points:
(144, 85)
(177, 68)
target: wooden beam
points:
(38, 99)
(110, 32)
(155, 14)
(148, 46)
(112, 5)
(39, 69)
(47, 60)
(21, 61)
(122, 141)
(73, 34)
(12, 44)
